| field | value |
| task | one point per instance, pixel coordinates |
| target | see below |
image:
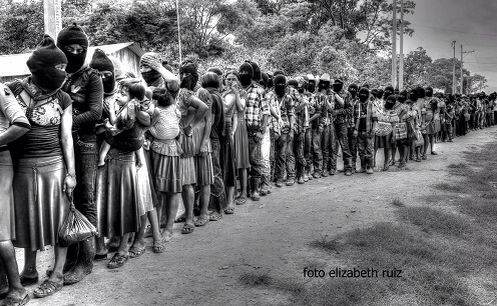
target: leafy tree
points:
(416, 67)
(21, 26)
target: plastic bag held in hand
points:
(75, 227)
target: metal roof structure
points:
(15, 64)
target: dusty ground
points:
(269, 237)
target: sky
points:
(472, 23)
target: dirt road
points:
(269, 237)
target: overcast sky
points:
(472, 23)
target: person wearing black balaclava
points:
(309, 95)
(285, 160)
(320, 127)
(256, 117)
(353, 118)
(265, 186)
(364, 129)
(84, 86)
(379, 141)
(301, 128)
(45, 175)
(343, 108)
(220, 145)
(196, 160)
(328, 140)
(156, 72)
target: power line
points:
(452, 30)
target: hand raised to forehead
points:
(153, 63)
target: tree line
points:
(349, 38)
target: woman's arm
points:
(68, 150)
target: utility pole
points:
(454, 68)
(394, 45)
(52, 17)
(179, 31)
(462, 76)
(401, 64)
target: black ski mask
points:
(245, 74)
(189, 75)
(429, 92)
(412, 95)
(73, 35)
(151, 77)
(388, 92)
(323, 85)
(337, 86)
(102, 63)
(311, 86)
(42, 65)
(279, 85)
(363, 95)
(390, 102)
(353, 90)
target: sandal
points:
(135, 252)
(215, 216)
(16, 301)
(180, 219)
(187, 228)
(99, 257)
(29, 280)
(167, 236)
(117, 261)
(241, 200)
(48, 288)
(201, 221)
(158, 247)
(229, 211)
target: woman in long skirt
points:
(242, 159)
(44, 169)
(119, 214)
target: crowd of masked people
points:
(127, 150)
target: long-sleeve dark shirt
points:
(86, 90)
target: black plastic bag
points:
(75, 227)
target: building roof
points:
(15, 64)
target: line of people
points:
(130, 149)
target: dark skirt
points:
(144, 188)
(241, 145)
(40, 204)
(384, 142)
(228, 163)
(7, 225)
(118, 211)
(167, 173)
(205, 170)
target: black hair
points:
(136, 88)
(163, 97)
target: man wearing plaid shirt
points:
(343, 109)
(256, 117)
(285, 159)
(353, 118)
(364, 130)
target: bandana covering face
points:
(42, 64)
(151, 77)
(337, 87)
